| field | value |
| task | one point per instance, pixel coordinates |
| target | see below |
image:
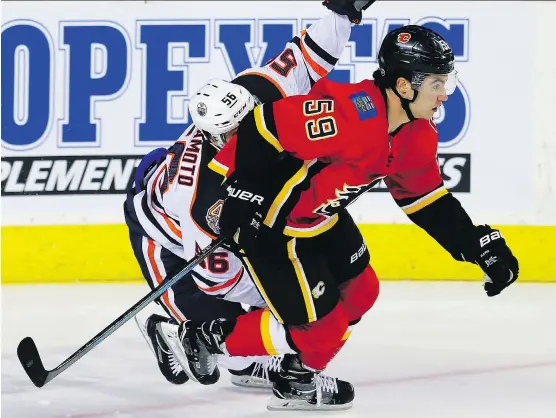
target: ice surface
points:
(434, 350)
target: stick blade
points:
(31, 361)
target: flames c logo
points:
(404, 37)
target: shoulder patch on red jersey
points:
(364, 105)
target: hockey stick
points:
(29, 355)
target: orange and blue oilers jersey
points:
(178, 209)
(305, 59)
(343, 130)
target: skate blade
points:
(142, 325)
(277, 404)
(169, 333)
(250, 382)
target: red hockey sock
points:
(359, 294)
(246, 338)
(319, 341)
(257, 333)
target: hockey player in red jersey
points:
(172, 209)
(293, 168)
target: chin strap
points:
(406, 102)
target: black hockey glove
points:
(241, 218)
(495, 258)
(250, 198)
(350, 8)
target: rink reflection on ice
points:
(435, 350)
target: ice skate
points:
(167, 362)
(260, 374)
(299, 388)
(199, 359)
(170, 334)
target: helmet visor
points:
(439, 84)
(218, 141)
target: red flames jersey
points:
(343, 129)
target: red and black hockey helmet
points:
(414, 49)
(414, 52)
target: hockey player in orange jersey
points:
(293, 168)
